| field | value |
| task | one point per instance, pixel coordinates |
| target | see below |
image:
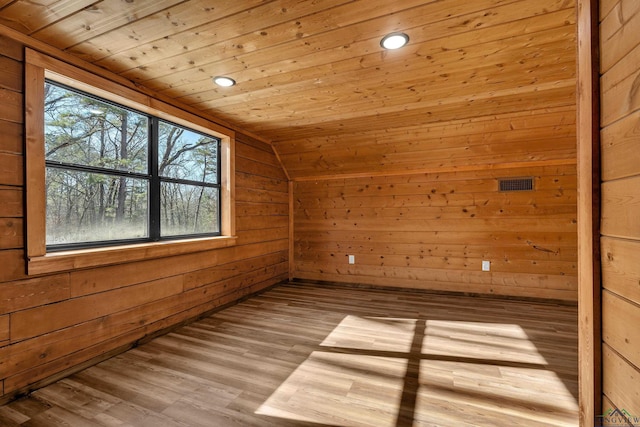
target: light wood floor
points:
(306, 355)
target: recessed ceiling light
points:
(394, 40)
(224, 81)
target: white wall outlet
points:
(486, 265)
(352, 259)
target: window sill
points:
(86, 258)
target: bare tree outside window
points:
(101, 185)
(187, 162)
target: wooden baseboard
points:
(298, 281)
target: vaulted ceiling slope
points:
(313, 79)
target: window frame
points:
(39, 67)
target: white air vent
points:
(515, 184)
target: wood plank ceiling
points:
(312, 72)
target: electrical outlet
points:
(352, 259)
(486, 265)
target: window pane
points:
(188, 209)
(185, 154)
(91, 207)
(84, 131)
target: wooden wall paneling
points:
(542, 120)
(4, 327)
(43, 373)
(620, 379)
(435, 146)
(247, 180)
(607, 405)
(431, 241)
(11, 48)
(23, 294)
(11, 105)
(11, 169)
(620, 94)
(620, 267)
(501, 251)
(278, 235)
(11, 233)
(620, 148)
(324, 259)
(86, 282)
(440, 224)
(248, 151)
(435, 212)
(506, 128)
(146, 319)
(251, 208)
(40, 320)
(226, 271)
(433, 231)
(619, 20)
(11, 206)
(256, 195)
(61, 343)
(405, 152)
(13, 265)
(620, 206)
(620, 318)
(606, 7)
(263, 222)
(456, 282)
(11, 77)
(11, 143)
(621, 88)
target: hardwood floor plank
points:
(315, 354)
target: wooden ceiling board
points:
(326, 50)
(191, 31)
(98, 19)
(329, 31)
(261, 30)
(27, 17)
(311, 74)
(441, 90)
(435, 61)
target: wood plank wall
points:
(620, 222)
(52, 324)
(432, 231)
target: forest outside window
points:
(114, 175)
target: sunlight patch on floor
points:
(337, 389)
(487, 370)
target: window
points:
(114, 175)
